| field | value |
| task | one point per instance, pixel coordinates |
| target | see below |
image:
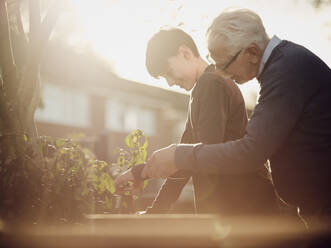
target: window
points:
(63, 107)
(114, 115)
(127, 117)
(131, 119)
(147, 121)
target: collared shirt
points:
(267, 52)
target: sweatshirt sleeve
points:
(169, 193)
(280, 105)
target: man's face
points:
(241, 66)
(181, 71)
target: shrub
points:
(68, 183)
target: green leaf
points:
(110, 185)
(128, 141)
(145, 145)
(140, 160)
(138, 133)
(102, 164)
(59, 143)
(145, 184)
(143, 154)
(93, 178)
(102, 185)
(134, 139)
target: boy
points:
(216, 114)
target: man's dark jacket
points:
(290, 126)
(217, 114)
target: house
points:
(81, 95)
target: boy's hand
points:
(122, 181)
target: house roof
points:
(68, 67)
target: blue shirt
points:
(275, 41)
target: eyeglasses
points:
(231, 61)
(208, 57)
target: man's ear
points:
(254, 53)
(185, 51)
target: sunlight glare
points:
(119, 30)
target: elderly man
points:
(290, 126)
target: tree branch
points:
(29, 91)
(7, 63)
(9, 80)
(6, 58)
(35, 20)
(19, 23)
(49, 21)
(40, 39)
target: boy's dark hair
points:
(164, 45)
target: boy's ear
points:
(185, 51)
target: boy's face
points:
(182, 70)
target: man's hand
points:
(162, 163)
(125, 182)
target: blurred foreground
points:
(165, 231)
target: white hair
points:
(236, 29)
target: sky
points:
(118, 30)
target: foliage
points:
(137, 145)
(76, 179)
(320, 3)
(69, 183)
